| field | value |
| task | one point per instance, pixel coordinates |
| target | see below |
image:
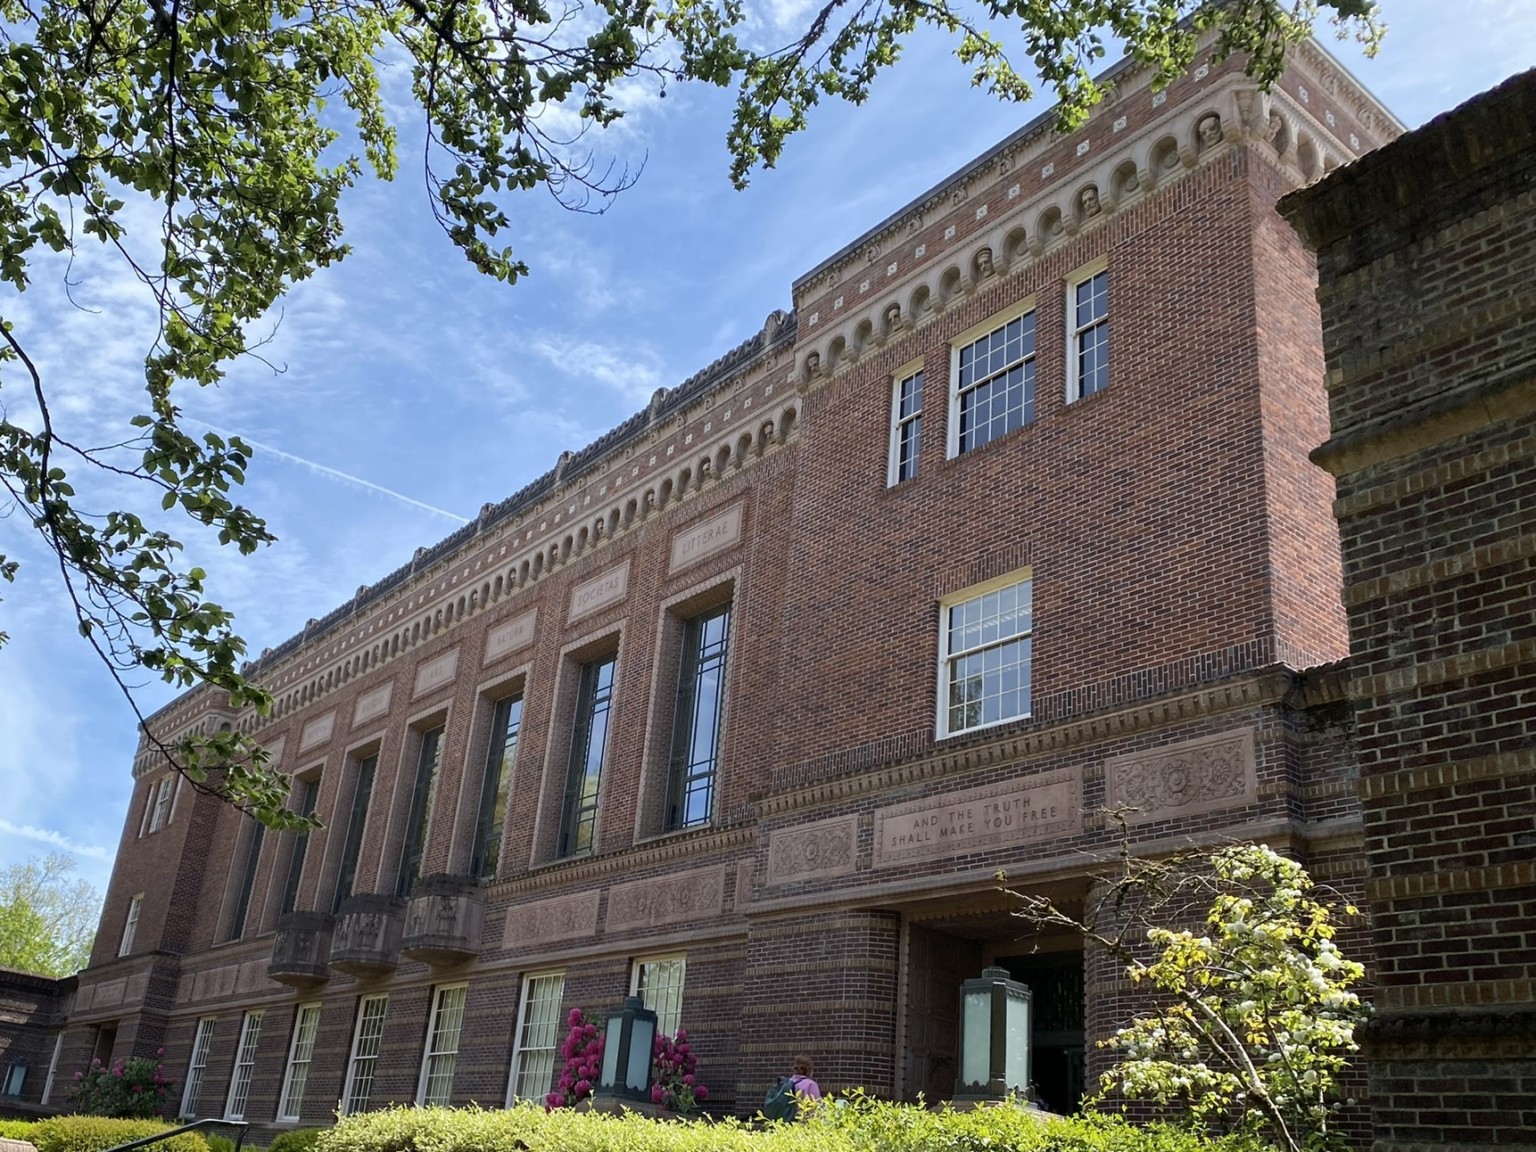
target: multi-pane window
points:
(442, 1054)
(365, 1054)
(254, 834)
(309, 794)
(306, 1023)
(131, 924)
(202, 1045)
(496, 786)
(162, 811)
(696, 728)
(659, 982)
(352, 845)
(589, 740)
(994, 384)
(1088, 348)
(538, 1029)
(420, 820)
(984, 656)
(245, 1064)
(906, 427)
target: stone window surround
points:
(1021, 576)
(993, 323)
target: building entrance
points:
(940, 955)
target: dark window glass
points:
(696, 731)
(909, 426)
(496, 786)
(588, 741)
(420, 820)
(247, 880)
(1091, 323)
(996, 384)
(309, 793)
(352, 846)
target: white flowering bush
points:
(1253, 1014)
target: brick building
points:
(744, 705)
(1425, 254)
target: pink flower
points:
(701, 1092)
(658, 1093)
(574, 1019)
(688, 1079)
(582, 1087)
(682, 1034)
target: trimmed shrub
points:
(297, 1140)
(16, 1129)
(97, 1133)
(854, 1124)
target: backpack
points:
(780, 1102)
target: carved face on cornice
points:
(1209, 129)
(1088, 200)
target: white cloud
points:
(55, 840)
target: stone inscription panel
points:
(600, 591)
(826, 848)
(317, 731)
(1186, 779)
(374, 702)
(673, 899)
(706, 539)
(567, 918)
(513, 636)
(948, 824)
(437, 672)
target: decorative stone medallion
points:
(1186, 779)
(673, 899)
(826, 848)
(565, 918)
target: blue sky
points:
(413, 390)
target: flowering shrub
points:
(134, 1088)
(673, 1072)
(583, 1053)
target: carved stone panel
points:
(600, 591)
(436, 672)
(1186, 779)
(1018, 812)
(811, 851)
(566, 918)
(317, 731)
(374, 702)
(673, 899)
(513, 636)
(706, 539)
(275, 750)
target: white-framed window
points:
(362, 1064)
(306, 1023)
(202, 1045)
(985, 638)
(53, 1068)
(658, 980)
(131, 924)
(442, 1052)
(1087, 331)
(538, 1037)
(162, 812)
(245, 1064)
(906, 425)
(992, 373)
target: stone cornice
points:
(692, 848)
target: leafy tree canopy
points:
(1253, 1006)
(207, 145)
(47, 919)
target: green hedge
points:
(16, 1129)
(96, 1133)
(297, 1140)
(861, 1125)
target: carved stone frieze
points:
(436, 672)
(513, 636)
(1187, 779)
(812, 851)
(1017, 812)
(548, 921)
(372, 703)
(317, 731)
(713, 536)
(608, 588)
(672, 899)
